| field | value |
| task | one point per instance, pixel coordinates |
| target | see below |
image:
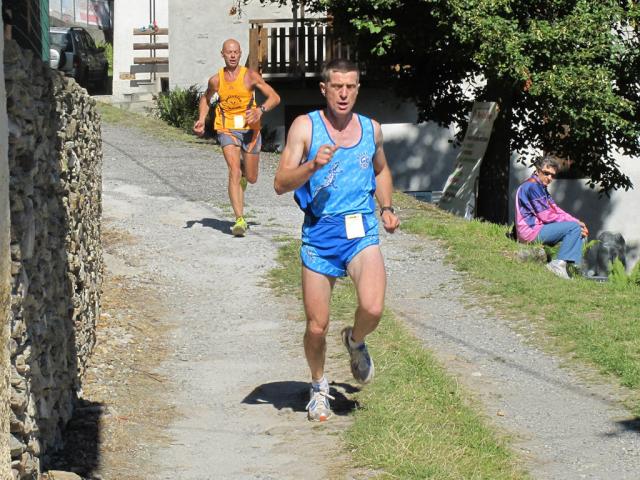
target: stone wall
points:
(55, 162)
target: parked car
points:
(73, 51)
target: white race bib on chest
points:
(238, 121)
(353, 224)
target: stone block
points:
(16, 446)
(60, 475)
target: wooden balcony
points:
(288, 48)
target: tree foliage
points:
(565, 72)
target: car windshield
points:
(58, 38)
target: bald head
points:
(230, 43)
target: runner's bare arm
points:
(203, 105)
(384, 182)
(272, 98)
(291, 173)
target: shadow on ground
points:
(223, 226)
(628, 425)
(295, 395)
(81, 440)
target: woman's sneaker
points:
(559, 268)
(318, 408)
(361, 364)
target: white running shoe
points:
(559, 268)
(318, 408)
(362, 367)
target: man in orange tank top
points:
(237, 123)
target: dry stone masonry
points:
(55, 161)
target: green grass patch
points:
(285, 278)
(597, 322)
(415, 421)
(150, 125)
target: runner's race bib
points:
(354, 225)
(238, 121)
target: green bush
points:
(618, 275)
(179, 107)
(108, 52)
(634, 276)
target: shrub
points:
(618, 275)
(634, 276)
(108, 52)
(179, 107)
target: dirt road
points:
(235, 375)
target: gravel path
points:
(238, 371)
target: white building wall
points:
(131, 82)
(197, 29)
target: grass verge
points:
(151, 125)
(416, 421)
(595, 322)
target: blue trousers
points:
(570, 234)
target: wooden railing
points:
(288, 48)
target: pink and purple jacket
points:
(535, 208)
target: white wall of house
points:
(130, 81)
(618, 213)
(197, 29)
(419, 155)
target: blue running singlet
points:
(347, 183)
(344, 186)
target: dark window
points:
(88, 41)
(77, 39)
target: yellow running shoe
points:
(243, 183)
(240, 227)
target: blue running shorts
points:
(326, 248)
(249, 141)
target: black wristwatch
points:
(263, 108)
(388, 208)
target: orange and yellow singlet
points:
(235, 100)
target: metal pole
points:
(294, 38)
(153, 54)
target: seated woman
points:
(538, 218)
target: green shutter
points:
(44, 26)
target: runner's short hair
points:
(339, 65)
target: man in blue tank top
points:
(335, 163)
